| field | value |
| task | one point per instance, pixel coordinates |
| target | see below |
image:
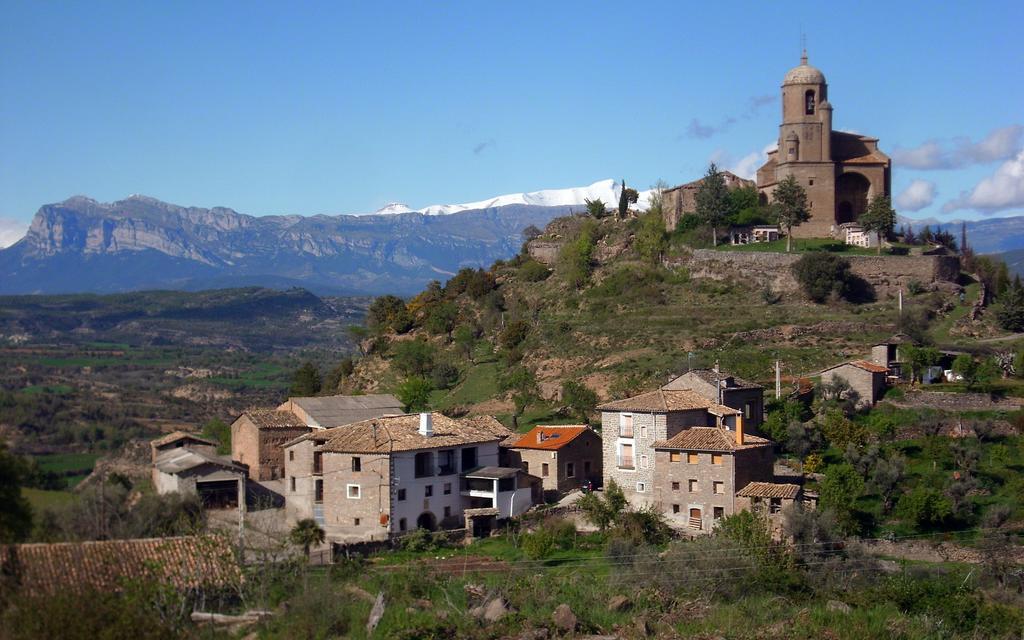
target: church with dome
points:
(840, 171)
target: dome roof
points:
(804, 74)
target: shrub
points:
(444, 375)
(580, 398)
(419, 540)
(823, 275)
(514, 334)
(414, 393)
(413, 357)
(533, 271)
(553, 534)
(645, 526)
(925, 507)
(388, 313)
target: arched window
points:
(809, 102)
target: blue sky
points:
(342, 107)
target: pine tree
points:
(712, 200)
(880, 218)
(1011, 307)
(306, 381)
(791, 208)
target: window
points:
(506, 484)
(675, 456)
(526, 466)
(353, 491)
(293, 483)
(775, 505)
(446, 462)
(447, 488)
(716, 458)
(748, 410)
(675, 508)
(291, 456)
(809, 103)
(719, 512)
(447, 512)
(355, 521)
(401, 495)
(692, 485)
(692, 458)
(625, 425)
(643, 462)
(402, 526)
(675, 486)
(643, 431)
(318, 462)
(428, 491)
(570, 470)
(318, 491)
(718, 487)
(357, 463)
(424, 464)
(626, 456)
(544, 469)
(469, 458)
(641, 487)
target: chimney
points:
(739, 429)
(426, 425)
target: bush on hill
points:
(823, 275)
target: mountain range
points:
(81, 245)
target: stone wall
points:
(885, 273)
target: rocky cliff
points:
(136, 243)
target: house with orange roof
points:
(563, 456)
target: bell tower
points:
(806, 115)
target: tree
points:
(596, 207)
(972, 371)
(839, 492)
(514, 334)
(521, 383)
(358, 333)
(413, 357)
(580, 398)
(879, 217)
(306, 380)
(1010, 314)
(822, 275)
(801, 439)
(388, 313)
(712, 201)
(627, 197)
(15, 510)
(441, 318)
(306, 533)
(335, 376)
(465, 340)
(218, 431)
(790, 204)
(603, 510)
(574, 258)
(651, 240)
(919, 359)
(414, 393)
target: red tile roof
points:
(401, 433)
(661, 400)
(550, 438)
(710, 439)
(769, 490)
(863, 365)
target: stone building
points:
(699, 470)
(680, 200)
(257, 438)
(181, 439)
(840, 171)
(866, 378)
(326, 412)
(630, 427)
(381, 477)
(218, 482)
(562, 456)
(721, 388)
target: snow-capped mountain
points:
(608, 191)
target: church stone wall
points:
(885, 273)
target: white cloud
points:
(999, 144)
(748, 165)
(917, 196)
(11, 231)
(1004, 189)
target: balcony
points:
(625, 431)
(626, 462)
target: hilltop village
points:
(754, 409)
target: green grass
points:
(57, 389)
(480, 383)
(75, 467)
(40, 499)
(807, 244)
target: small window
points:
(719, 512)
(428, 490)
(447, 512)
(625, 425)
(810, 183)
(692, 458)
(675, 456)
(402, 526)
(675, 486)
(570, 470)
(293, 484)
(357, 463)
(643, 431)
(809, 103)
(526, 466)
(318, 462)
(716, 458)
(641, 487)
(675, 508)
(643, 462)
(692, 485)
(401, 494)
(544, 469)
(318, 491)
(447, 488)
(355, 521)
(291, 456)
(719, 487)
(354, 491)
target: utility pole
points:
(901, 301)
(778, 380)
